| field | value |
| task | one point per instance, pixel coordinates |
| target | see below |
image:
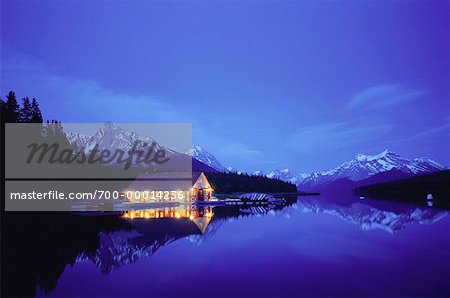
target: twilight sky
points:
(266, 85)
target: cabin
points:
(140, 191)
(201, 189)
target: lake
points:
(328, 245)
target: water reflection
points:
(115, 240)
(185, 211)
(373, 215)
(153, 229)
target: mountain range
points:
(111, 136)
(361, 170)
(385, 166)
(382, 167)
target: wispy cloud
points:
(237, 150)
(383, 95)
(332, 136)
(440, 131)
(77, 100)
(71, 99)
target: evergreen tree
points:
(2, 111)
(233, 182)
(25, 113)
(12, 108)
(49, 129)
(54, 133)
(36, 115)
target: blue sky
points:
(266, 85)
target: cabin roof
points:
(201, 182)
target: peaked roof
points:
(202, 223)
(201, 182)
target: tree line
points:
(224, 183)
(30, 112)
(12, 112)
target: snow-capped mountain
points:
(113, 137)
(78, 140)
(207, 158)
(361, 167)
(287, 175)
(231, 169)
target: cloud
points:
(336, 135)
(71, 99)
(76, 100)
(236, 149)
(382, 96)
(440, 131)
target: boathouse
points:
(201, 189)
(140, 191)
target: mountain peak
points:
(366, 157)
(361, 167)
(231, 169)
(361, 157)
(109, 124)
(207, 158)
(385, 153)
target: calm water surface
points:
(312, 247)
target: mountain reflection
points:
(373, 215)
(113, 240)
(152, 229)
(155, 228)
